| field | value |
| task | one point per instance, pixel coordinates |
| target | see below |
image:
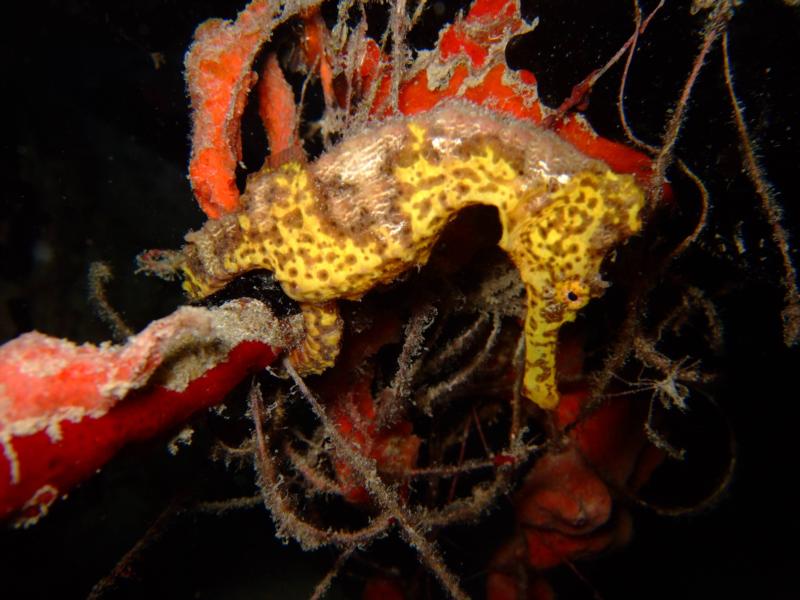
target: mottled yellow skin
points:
(560, 267)
(337, 228)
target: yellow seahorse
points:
(375, 205)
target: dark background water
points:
(95, 151)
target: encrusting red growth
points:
(277, 111)
(66, 409)
(565, 507)
(219, 78)
(474, 58)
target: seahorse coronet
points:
(374, 206)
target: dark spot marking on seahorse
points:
(323, 275)
(293, 219)
(404, 190)
(281, 257)
(433, 181)
(466, 173)
(380, 246)
(585, 222)
(552, 332)
(424, 207)
(544, 375)
(272, 234)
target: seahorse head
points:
(559, 251)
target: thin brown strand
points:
(516, 395)
(449, 470)
(222, 507)
(479, 501)
(436, 363)
(418, 10)
(442, 390)
(125, 568)
(324, 585)
(702, 217)
(713, 498)
(393, 399)
(320, 484)
(302, 102)
(372, 93)
(657, 439)
(623, 118)
(355, 44)
(715, 26)
(287, 523)
(614, 360)
(398, 23)
(769, 207)
(461, 452)
(693, 299)
(487, 451)
(630, 326)
(365, 469)
(580, 91)
(640, 27)
(582, 578)
(99, 275)
(485, 495)
(228, 454)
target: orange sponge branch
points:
(219, 77)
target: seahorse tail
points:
(320, 347)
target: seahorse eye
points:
(574, 294)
